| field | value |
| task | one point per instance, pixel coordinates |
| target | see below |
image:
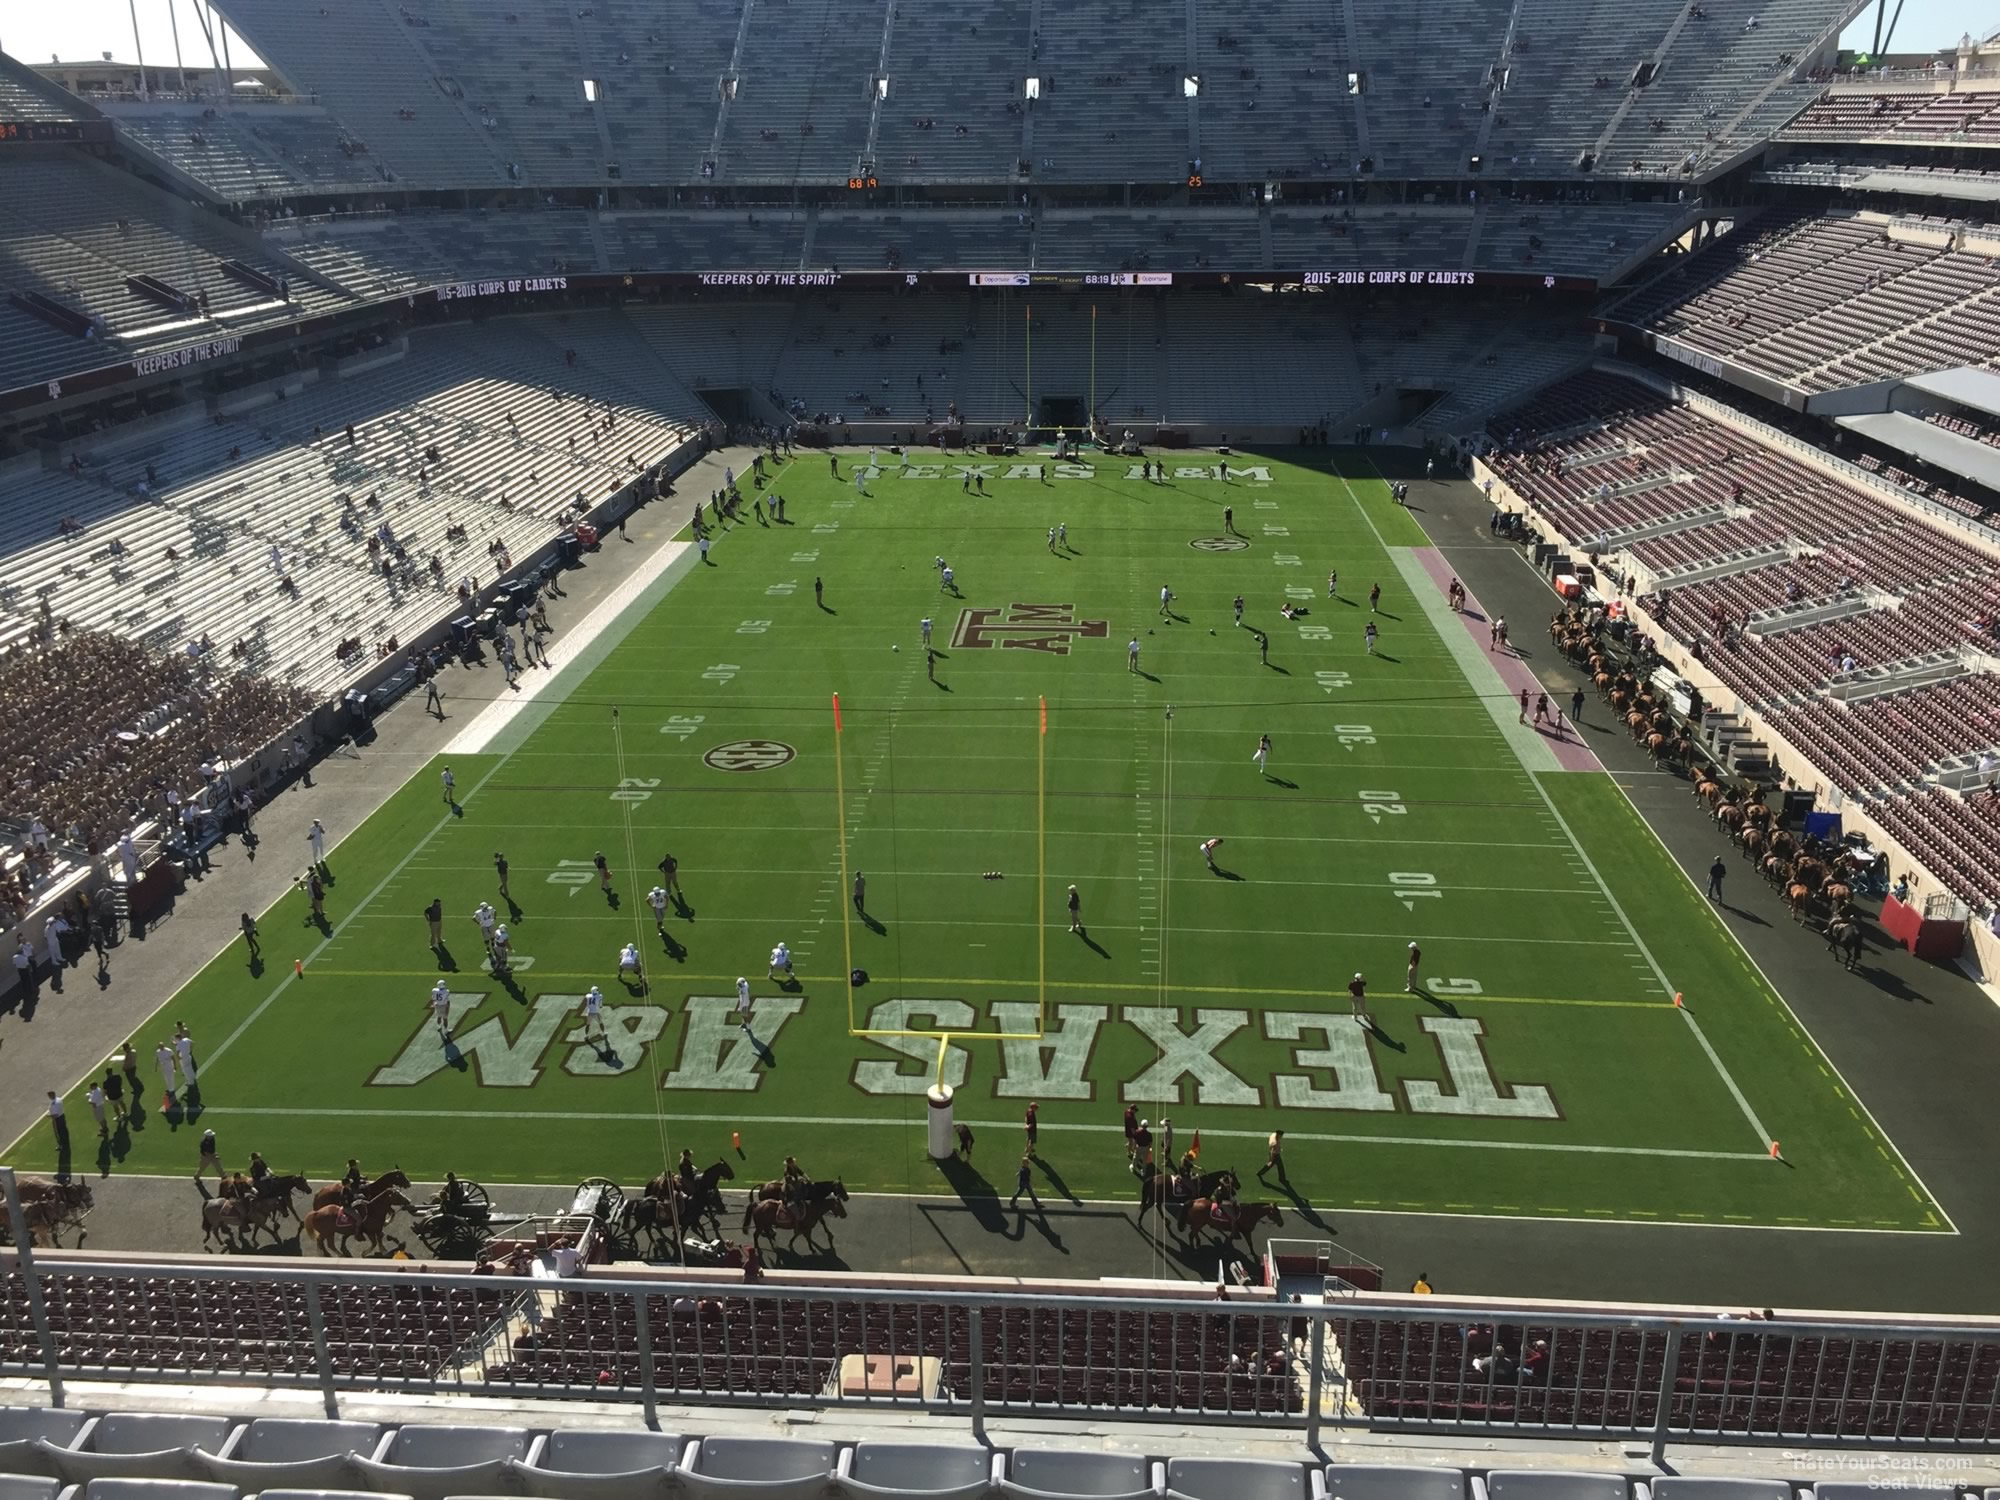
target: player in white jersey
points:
(924, 625)
(657, 899)
(502, 949)
(781, 962)
(441, 1007)
(628, 962)
(743, 1003)
(483, 914)
(593, 1012)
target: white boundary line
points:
(561, 1184)
(1404, 565)
(1666, 985)
(830, 1122)
(1805, 1031)
(508, 721)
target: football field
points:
(1541, 1069)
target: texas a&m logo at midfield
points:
(1026, 627)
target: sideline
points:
(506, 723)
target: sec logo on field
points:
(749, 755)
(1218, 544)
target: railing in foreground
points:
(1386, 1363)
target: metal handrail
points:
(1401, 1363)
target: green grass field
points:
(1542, 1072)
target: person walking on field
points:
(1075, 911)
(1024, 1182)
(1263, 756)
(1357, 996)
(163, 1059)
(1034, 1126)
(860, 893)
(1274, 1158)
(59, 1123)
(1416, 958)
(1715, 873)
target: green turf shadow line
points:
(1480, 673)
(602, 632)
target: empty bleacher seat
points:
(1705, 1487)
(1068, 1471)
(24, 1428)
(1235, 1479)
(29, 1487)
(764, 1468)
(1392, 1482)
(158, 1489)
(431, 1463)
(1554, 1484)
(591, 1465)
(288, 1451)
(928, 1469)
(143, 1445)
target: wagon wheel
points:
(475, 1196)
(613, 1196)
(620, 1241)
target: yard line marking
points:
(341, 926)
(1771, 990)
(1093, 834)
(1400, 935)
(824, 1122)
(1146, 878)
(1659, 974)
(1464, 1002)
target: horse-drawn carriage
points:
(458, 1220)
(48, 1207)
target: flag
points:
(1194, 1146)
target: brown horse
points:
(370, 1217)
(766, 1217)
(238, 1218)
(273, 1188)
(335, 1193)
(1798, 897)
(1233, 1221)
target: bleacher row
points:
(449, 95)
(266, 538)
(1971, 114)
(307, 1459)
(1741, 1383)
(1786, 535)
(77, 232)
(1213, 1361)
(1820, 302)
